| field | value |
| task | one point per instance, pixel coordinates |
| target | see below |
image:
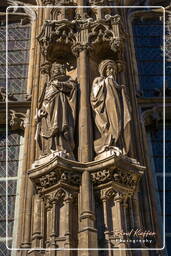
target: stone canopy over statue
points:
(56, 115)
(111, 111)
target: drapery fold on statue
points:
(58, 109)
(111, 113)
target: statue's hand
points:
(123, 86)
(40, 114)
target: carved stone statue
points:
(56, 115)
(111, 111)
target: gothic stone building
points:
(84, 108)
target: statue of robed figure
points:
(56, 115)
(111, 110)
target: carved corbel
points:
(17, 120)
(4, 96)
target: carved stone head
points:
(57, 70)
(108, 68)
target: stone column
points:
(48, 226)
(36, 234)
(81, 10)
(28, 189)
(85, 129)
(119, 224)
(68, 226)
(53, 229)
(47, 9)
(68, 223)
(87, 234)
(108, 244)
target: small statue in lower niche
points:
(111, 112)
(56, 116)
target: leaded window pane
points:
(168, 223)
(14, 45)
(2, 169)
(13, 168)
(148, 30)
(3, 250)
(148, 53)
(153, 68)
(2, 208)
(18, 58)
(3, 228)
(10, 228)
(2, 188)
(148, 41)
(9, 186)
(11, 207)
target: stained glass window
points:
(148, 42)
(156, 141)
(14, 159)
(18, 58)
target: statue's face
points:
(59, 70)
(110, 70)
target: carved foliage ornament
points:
(56, 176)
(56, 33)
(116, 175)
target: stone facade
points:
(85, 179)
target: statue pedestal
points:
(113, 151)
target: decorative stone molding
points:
(56, 176)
